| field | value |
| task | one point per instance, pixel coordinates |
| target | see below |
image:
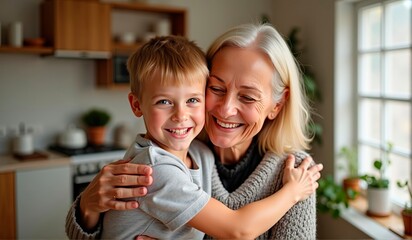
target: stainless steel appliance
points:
(87, 162)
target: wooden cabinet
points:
(105, 68)
(7, 206)
(77, 28)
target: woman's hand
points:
(304, 178)
(115, 181)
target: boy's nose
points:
(180, 115)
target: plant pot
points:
(407, 222)
(351, 183)
(96, 135)
(379, 204)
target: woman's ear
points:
(135, 105)
(278, 106)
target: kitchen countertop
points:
(8, 163)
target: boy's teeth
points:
(227, 125)
(179, 131)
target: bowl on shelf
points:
(127, 38)
(34, 42)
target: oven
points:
(87, 162)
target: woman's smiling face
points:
(238, 96)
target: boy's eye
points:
(193, 100)
(163, 101)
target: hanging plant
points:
(311, 89)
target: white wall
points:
(51, 93)
(315, 18)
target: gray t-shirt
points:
(177, 195)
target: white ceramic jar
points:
(162, 27)
(23, 144)
(16, 34)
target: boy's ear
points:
(278, 106)
(135, 105)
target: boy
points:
(168, 80)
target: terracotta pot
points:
(96, 135)
(407, 222)
(351, 183)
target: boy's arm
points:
(216, 220)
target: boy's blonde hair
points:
(174, 59)
(287, 132)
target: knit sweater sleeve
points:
(73, 228)
(298, 223)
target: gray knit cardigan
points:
(298, 223)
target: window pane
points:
(398, 127)
(397, 30)
(369, 74)
(367, 156)
(399, 170)
(398, 73)
(369, 120)
(370, 28)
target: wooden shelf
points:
(27, 50)
(142, 7)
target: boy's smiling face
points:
(173, 115)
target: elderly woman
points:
(256, 114)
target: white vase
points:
(16, 34)
(379, 204)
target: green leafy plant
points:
(331, 198)
(408, 206)
(350, 154)
(381, 165)
(312, 91)
(96, 118)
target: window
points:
(384, 88)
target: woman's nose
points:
(228, 107)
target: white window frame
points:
(382, 99)
(346, 91)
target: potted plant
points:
(407, 210)
(378, 186)
(330, 197)
(96, 121)
(351, 183)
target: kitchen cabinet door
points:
(7, 206)
(70, 25)
(43, 199)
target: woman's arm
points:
(216, 220)
(120, 179)
(298, 223)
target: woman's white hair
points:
(287, 132)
